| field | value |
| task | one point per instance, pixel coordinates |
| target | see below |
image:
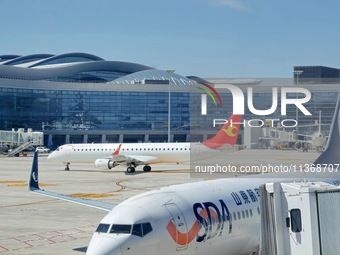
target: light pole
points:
(297, 73)
(169, 71)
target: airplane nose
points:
(104, 245)
(51, 156)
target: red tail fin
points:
(227, 134)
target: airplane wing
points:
(33, 186)
(139, 160)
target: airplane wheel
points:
(130, 169)
(67, 168)
(147, 168)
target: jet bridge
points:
(300, 218)
(21, 138)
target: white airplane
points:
(109, 155)
(218, 217)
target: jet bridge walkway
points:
(21, 139)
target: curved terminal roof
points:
(83, 67)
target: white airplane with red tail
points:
(109, 155)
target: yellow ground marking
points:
(23, 184)
(92, 195)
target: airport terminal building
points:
(79, 97)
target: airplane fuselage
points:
(88, 153)
(107, 156)
(185, 222)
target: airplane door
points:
(181, 235)
(68, 151)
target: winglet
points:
(117, 151)
(226, 135)
(33, 179)
(33, 185)
(331, 154)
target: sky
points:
(205, 38)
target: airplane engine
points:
(105, 164)
(298, 145)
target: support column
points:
(85, 138)
(121, 138)
(67, 139)
(103, 138)
(146, 138)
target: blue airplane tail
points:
(331, 154)
(33, 179)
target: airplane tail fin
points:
(331, 154)
(33, 180)
(226, 135)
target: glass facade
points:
(91, 110)
(134, 110)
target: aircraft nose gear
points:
(67, 167)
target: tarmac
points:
(35, 224)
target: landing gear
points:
(130, 169)
(147, 168)
(67, 168)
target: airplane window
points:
(141, 229)
(247, 214)
(137, 230)
(251, 212)
(121, 229)
(103, 228)
(147, 228)
(239, 215)
(243, 216)
(258, 210)
(234, 216)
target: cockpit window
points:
(141, 229)
(137, 230)
(103, 228)
(121, 229)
